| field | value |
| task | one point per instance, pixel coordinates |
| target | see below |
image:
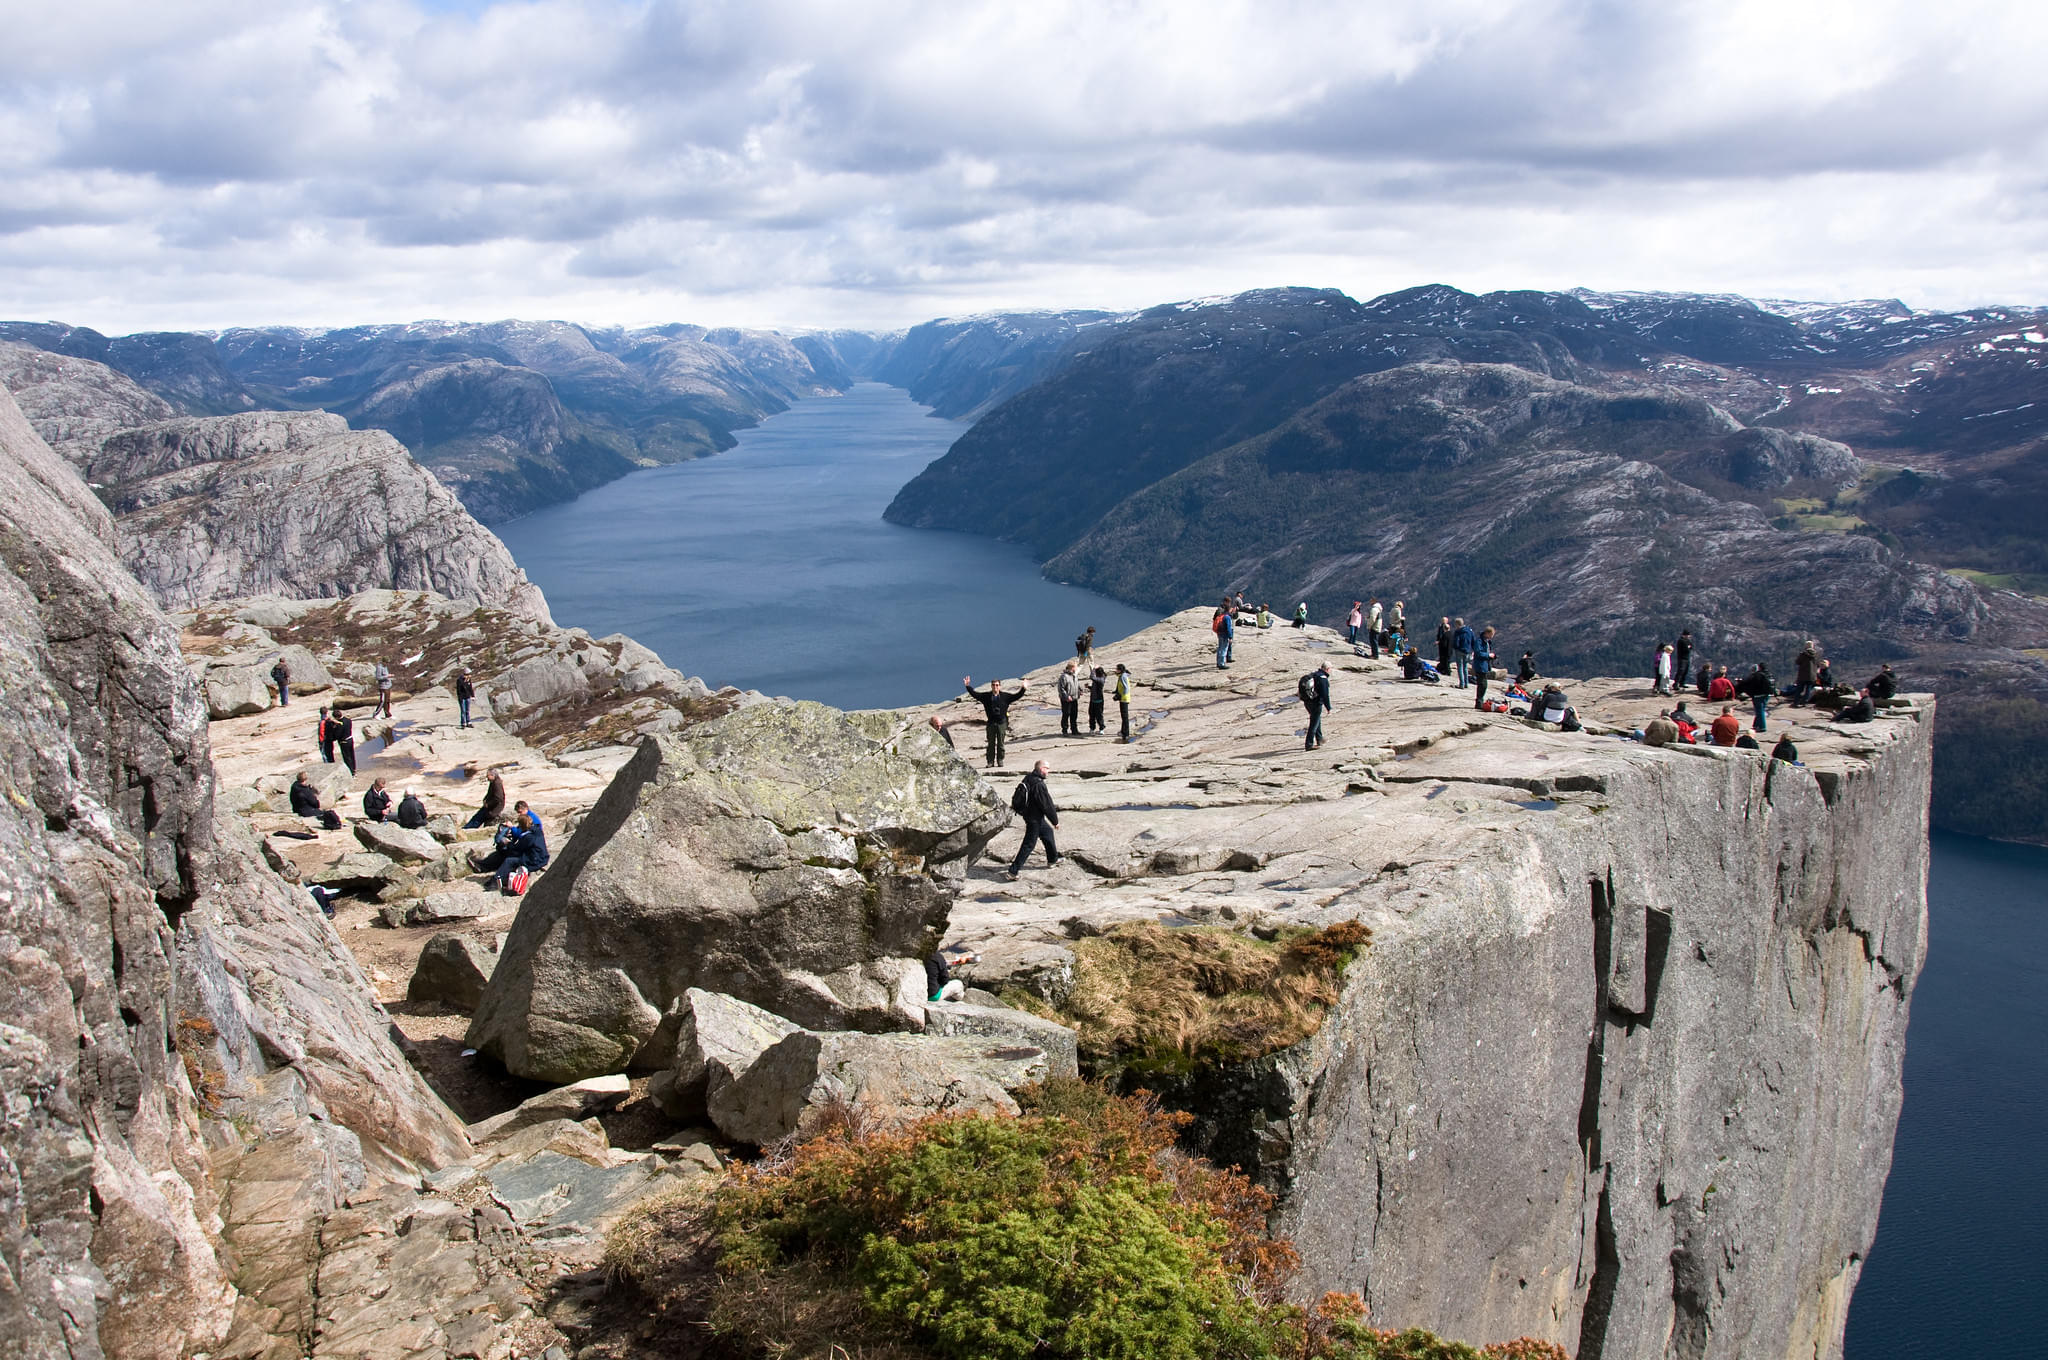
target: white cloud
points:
(808, 162)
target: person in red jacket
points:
(1727, 727)
(1720, 689)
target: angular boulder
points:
(707, 864)
(398, 843)
(576, 1101)
(892, 1079)
(1000, 1024)
(452, 971)
(236, 692)
(717, 1039)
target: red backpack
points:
(515, 886)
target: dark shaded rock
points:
(452, 970)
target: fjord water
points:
(1960, 1265)
(769, 566)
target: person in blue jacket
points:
(1464, 642)
(521, 843)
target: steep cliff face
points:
(157, 978)
(1620, 1064)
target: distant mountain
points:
(514, 415)
(962, 367)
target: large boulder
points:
(236, 692)
(952, 1019)
(717, 1039)
(790, 855)
(892, 1079)
(452, 971)
(399, 843)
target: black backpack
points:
(1020, 801)
(1305, 688)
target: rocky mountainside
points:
(512, 415)
(963, 367)
(287, 503)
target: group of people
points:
(1077, 679)
(1813, 682)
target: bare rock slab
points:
(717, 859)
(892, 1078)
(578, 1100)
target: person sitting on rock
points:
(1412, 665)
(1527, 670)
(494, 804)
(1883, 686)
(412, 813)
(305, 798)
(521, 843)
(1727, 727)
(1687, 724)
(939, 982)
(1659, 731)
(1785, 750)
(1746, 742)
(1265, 617)
(1720, 689)
(1550, 705)
(1301, 615)
(376, 802)
(1858, 710)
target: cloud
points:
(803, 162)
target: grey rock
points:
(892, 1078)
(443, 908)
(361, 872)
(1040, 967)
(683, 875)
(452, 970)
(717, 1039)
(1004, 1025)
(576, 1101)
(398, 843)
(236, 692)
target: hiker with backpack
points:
(1482, 665)
(1070, 701)
(1226, 634)
(1032, 800)
(1123, 701)
(995, 705)
(1464, 642)
(281, 676)
(1313, 690)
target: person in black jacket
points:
(305, 798)
(1681, 659)
(412, 813)
(996, 705)
(1443, 645)
(1785, 750)
(344, 738)
(1884, 685)
(1481, 662)
(1041, 815)
(1858, 710)
(1096, 682)
(1317, 702)
(464, 692)
(939, 982)
(1758, 688)
(376, 802)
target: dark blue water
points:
(1960, 1266)
(769, 566)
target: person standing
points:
(344, 737)
(281, 674)
(464, 692)
(1375, 621)
(325, 735)
(1314, 693)
(1084, 647)
(1095, 684)
(1397, 620)
(1805, 667)
(1033, 800)
(996, 706)
(1123, 700)
(1070, 702)
(1757, 687)
(383, 674)
(1464, 642)
(1482, 666)
(1357, 618)
(494, 803)
(1226, 635)
(1443, 645)
(1662, 666)
(1681, 657)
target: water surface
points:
(769, 566)
(1960, 1265)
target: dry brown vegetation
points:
(1200, 993)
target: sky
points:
(789, 163)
